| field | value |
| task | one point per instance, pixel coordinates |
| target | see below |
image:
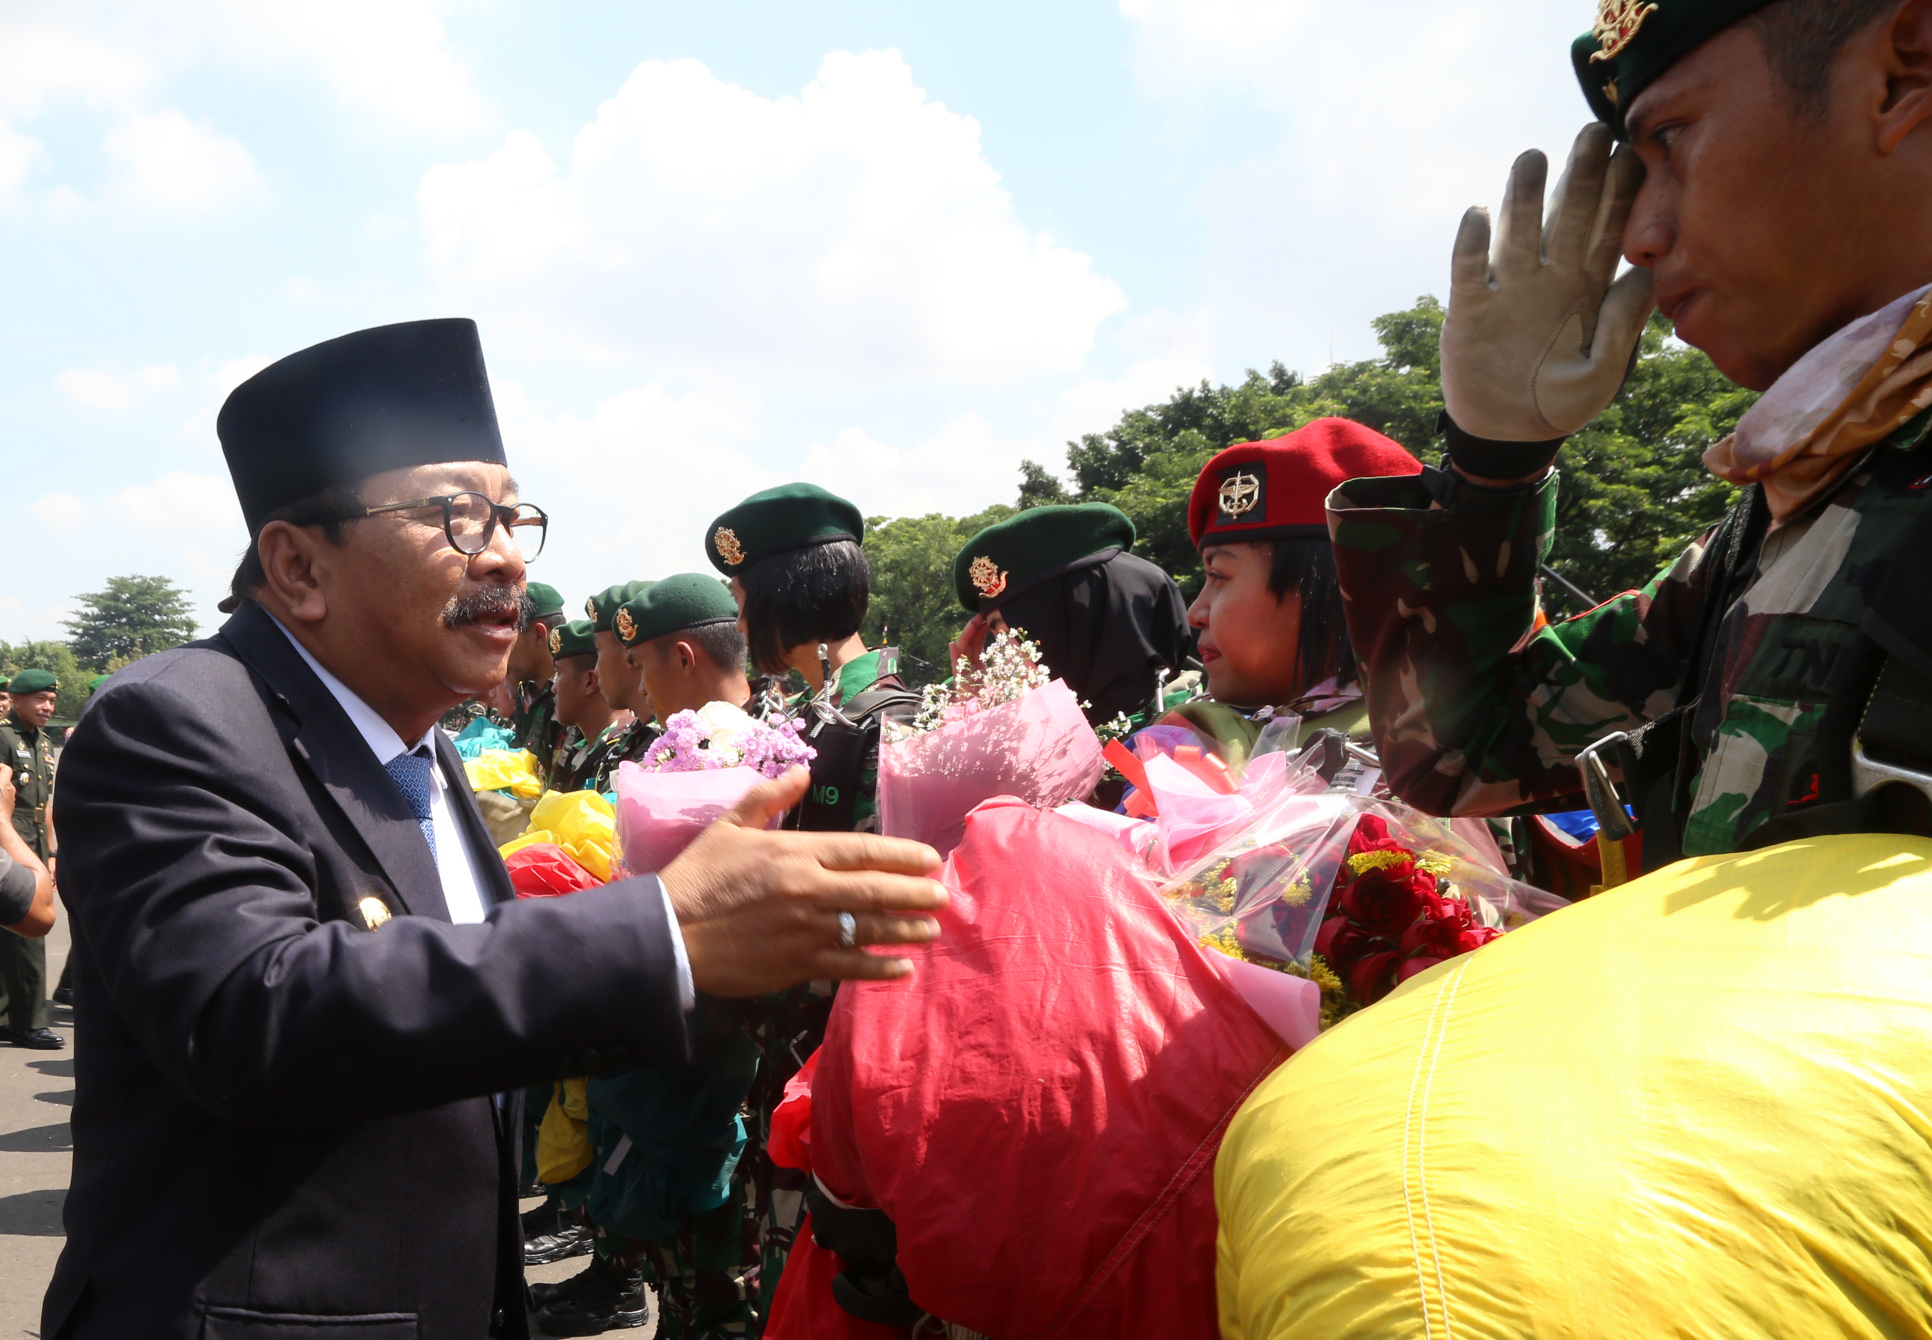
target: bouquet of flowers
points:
(1003, 728)
(703, 765)
(1351, 894)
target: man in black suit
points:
(301, 970)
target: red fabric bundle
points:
(544, 870)
(1038, 1108)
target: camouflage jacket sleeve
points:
(1475, 710)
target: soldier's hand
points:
(760, 910)
(1538, 339)
(6, 793)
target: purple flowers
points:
(719, 735)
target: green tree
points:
(1039, 487)
(57, 657)
(135, 616)
(913, 605)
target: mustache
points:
(492, 603)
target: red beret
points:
(1274, 490)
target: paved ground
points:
(36, 1094)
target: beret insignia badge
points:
(625, 625)
(556, 641)
(726, 540)
(1617, 25)
(986, 577)
(1240, 494)
(590, 608)
(373, 911)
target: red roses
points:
(1389, 919)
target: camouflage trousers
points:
(702, 1274)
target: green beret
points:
(545, 598)
(672, 605)
(1635, 41)
(1031, 546)
(791, 516)
(33, 681)
(576, 638)
(601, 608)
(94, 684)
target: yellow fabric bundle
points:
(583, 823)
(509, 770)
(1696, 1105)
(564, 1147)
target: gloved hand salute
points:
(1538, 337)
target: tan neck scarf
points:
(1805, 431)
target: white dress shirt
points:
(455, 861)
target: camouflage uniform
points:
(789, 1025)
(535, 724)
(1739, 648)
(626, 745)
(580, 763)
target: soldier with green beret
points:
(621, 686)
(535, 716)
(683, 640)
(800, 580)
(801, 585)
(590, 723)
(1108, 622)
(27, 747)
(684, 1234)
(1773, 192)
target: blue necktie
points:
(414, 776)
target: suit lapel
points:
(341, 760)
(493, 880)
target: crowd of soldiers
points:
(679, 1197)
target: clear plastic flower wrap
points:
(1351, 892)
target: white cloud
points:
(387, 59)
(854, 231)
(168, 163)
(44, 59)
(187, 523)
(19, 156)
(106, 388)
(629, 487)
(61, 511)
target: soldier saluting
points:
(1774, 185)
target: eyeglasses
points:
(470, 521)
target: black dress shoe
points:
(40, 1039)
(64, 995)
(603, 1299)
(569, 1240)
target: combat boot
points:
(605, 1297)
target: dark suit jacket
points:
(280, 1121)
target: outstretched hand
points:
(1540, 331)
(760, 910)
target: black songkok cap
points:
(340, 411)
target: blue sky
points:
(893, 248)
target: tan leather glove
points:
(1537, 339)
